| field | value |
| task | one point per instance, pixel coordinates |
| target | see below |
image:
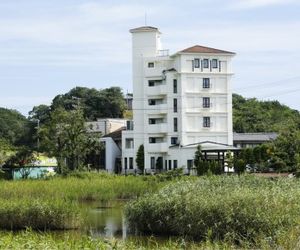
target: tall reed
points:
(219, 208)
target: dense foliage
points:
(280, 155)
(15, 128)
(66, 138)
(251, 115)
(234, 209)
(105, 103)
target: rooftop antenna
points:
(145, 18)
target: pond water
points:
(105, 220)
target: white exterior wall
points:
(189, 96)
(112, 152)
(106, 125)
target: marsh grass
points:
(55, 203)
(39, 215)
(100, 187)
(220, 208)
(32, 240)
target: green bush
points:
(219, 208)
(37, 214)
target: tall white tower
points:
(145, 44)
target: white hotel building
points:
(179, 101)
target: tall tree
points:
(65, 137)
(15, 128)
(140, 158)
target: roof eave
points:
(232, 54)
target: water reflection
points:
(106, 220)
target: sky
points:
(49, 47)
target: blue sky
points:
(49, 47)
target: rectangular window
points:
(189, 164)
(151, 83)
(152, 162)
(174, 140)
(152, 140)
(129, 143)
(152, 121)
(150, 64)
(129, 125)
(205, 63)
(175, 164)
(166, 165)
(175, 124)
(151, 102)
(206, 102)
(175, 105)
(214, 63)
(206, 122)
(175, 86)
(197, 63)
(206, 83)
(170, 164)
(125, 163)
(130, 162)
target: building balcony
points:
(154, 72)
(158, 128)
(158, 147)
(161, 89)
(158, 109)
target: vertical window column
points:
(175, 86)
(175, 105)
(175, 124)
(152, 162)
(130, 162)
(125, 163)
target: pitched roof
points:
(257, 137)
(144, 29)
(115, 135)
(203, 49)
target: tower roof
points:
(144, 29)
(203, 49)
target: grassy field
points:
(241, 210)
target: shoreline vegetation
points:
(206, 212)
(54, 204)
(242, 210)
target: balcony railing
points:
(158, 147)
(163, 52)
(161, 89)
(158, 128)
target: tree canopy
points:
(251, 115)
(105, 103)
(15, 128)
(65, 137)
